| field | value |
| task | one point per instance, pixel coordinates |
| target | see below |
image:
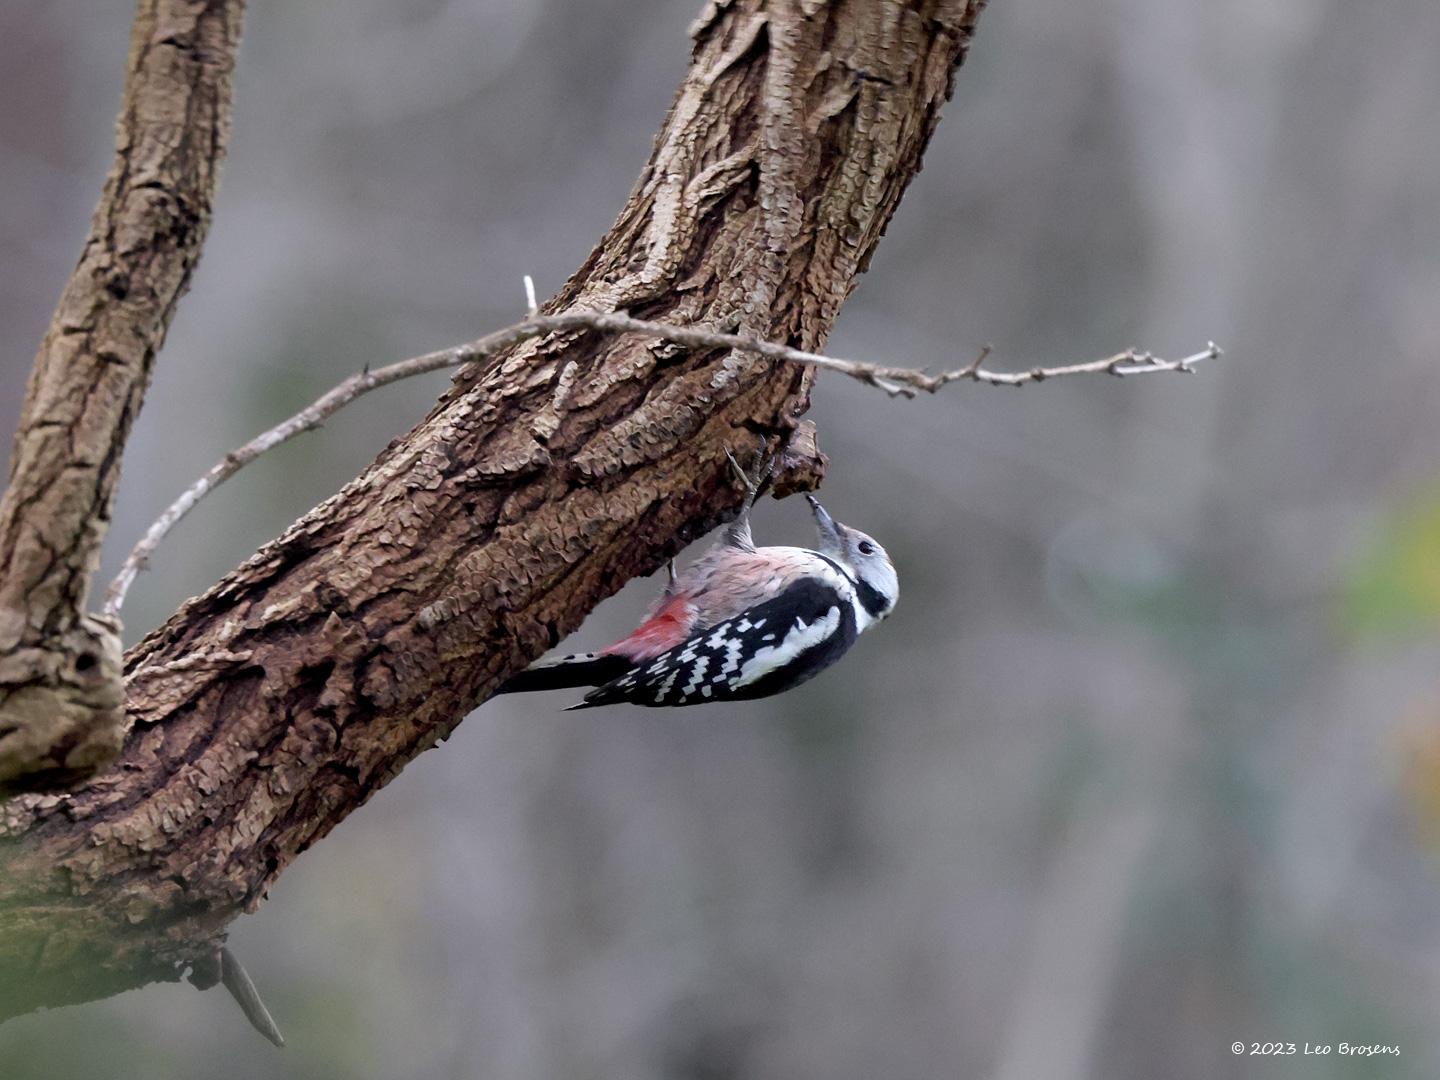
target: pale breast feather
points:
(771, 647)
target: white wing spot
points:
(696, 676)
(797, 640)
(734, 649)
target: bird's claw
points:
(737, 533)
(753, 483)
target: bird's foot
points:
(753, 482)
(737, 533)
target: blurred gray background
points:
(1148, 760)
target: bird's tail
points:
(579, 669)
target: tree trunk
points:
(61, 696)
(269, 708)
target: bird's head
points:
(863, 559)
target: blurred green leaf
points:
(1395, 587)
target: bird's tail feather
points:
(580, 669)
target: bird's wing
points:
(770, 647)
(723, 584)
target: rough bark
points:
(61, 695)
(272, 706)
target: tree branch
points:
(60, 683)
(902, 382)
(548, 475)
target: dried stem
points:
(895, 381)
(242, 988)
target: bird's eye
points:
(867, 548)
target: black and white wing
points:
(769, 648)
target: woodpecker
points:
(743, 622)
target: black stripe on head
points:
(871, 599)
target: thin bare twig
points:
(895, 381)
(1129, 362)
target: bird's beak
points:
(826, 527)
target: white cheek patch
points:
(863, 619)
(797, 640)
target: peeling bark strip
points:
(272, 706)
(60, 685)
